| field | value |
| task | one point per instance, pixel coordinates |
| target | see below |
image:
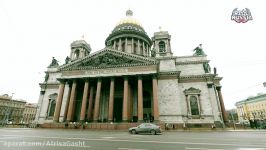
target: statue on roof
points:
(215, 70)
(67, 60)
(198, 51)
(54, 63)
(46, 77)
(206, 67)
(153, 52)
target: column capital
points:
(218, 88)
(42, 92)
(86, 79)
(62, 81)
(68, 81)
(209, 85)
(125, 77)
(154, 76)
(73, 80)
(100, 79)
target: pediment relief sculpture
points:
(109, 60)
(192, 90)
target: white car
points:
(145, 128)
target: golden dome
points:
(128, 19)
(127, 27)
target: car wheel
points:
(153, 132)
(133, 132)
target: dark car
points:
(145, 128)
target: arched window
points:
(123, 47)
(51, 105)
(135, 48)
(141, 50)
(161, 46)
(194, 105)
(51, 108)
(116, 45)
(77, 53)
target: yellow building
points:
(252, 108)
(29, 113)
(11, 110)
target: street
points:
(62, 139)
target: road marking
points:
(251, 149)
(157, 142)
(108, 137)
(130, 149)
(202, 148)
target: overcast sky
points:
(34, 31)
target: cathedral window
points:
(51, 108)
(141, 50)
(51, 105)
(116, 46)
(193, 101)
(123, 47)
(77, 53)
(135, 48)
(161, 46)
(194, 106)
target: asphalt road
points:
(62, 139)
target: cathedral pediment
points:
(192, 90)
(108, 58)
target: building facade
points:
(11, 110)
(135, 78)
(29, 113)
(252, 108)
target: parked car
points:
(145, 128)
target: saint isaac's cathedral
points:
(133, 79)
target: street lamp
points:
(222, 120)
(233, 120)
(7, 113)
(9, 107)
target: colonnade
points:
(87, 98)
(138, 47)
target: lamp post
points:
(7, 113)
(233, 120)
(9, 107)
(222, 121)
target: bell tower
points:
(161, 44)
(79, 49)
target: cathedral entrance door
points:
(118, 103)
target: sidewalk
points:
(216, 129)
